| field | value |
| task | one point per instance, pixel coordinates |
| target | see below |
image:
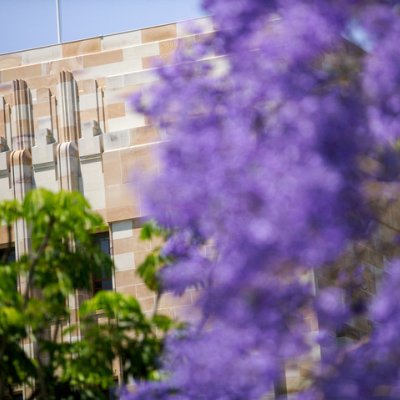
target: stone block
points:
(96, 198)
(119, 139)
(121, 40)
(128, 290)
(122, 229)
(159, 33)
(118, 209)
(81, 47)
(116, 110)
(126, 278)
(10, 60)
(41, 55)
(123, 245)
(88, 101)
(123, 125)
(140, 78)
(112, 168)
(105, 57)
(45, 177)
(116, 68)
(138, 160)
(124, 261)
(143, 292)
(28, 71)
(144, 50)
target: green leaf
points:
(163, 322)
(150, 268)
(151, 229)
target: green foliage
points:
(62, 259)
(149, 268)
(151, 230)
(125, 330)
(154, 261)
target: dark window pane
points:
(7, 255)
(103, 279)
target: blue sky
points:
(32, 23)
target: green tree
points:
(63, 258)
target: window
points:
(7, 255)
(102, 280)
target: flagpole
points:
(58, 9)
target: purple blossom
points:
(263, 163)
(370, 369)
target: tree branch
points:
(34, 260)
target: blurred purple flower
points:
(263, 163)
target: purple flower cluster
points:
(263, 166)
(370, 369)
(382, 73)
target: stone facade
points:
(66, 124)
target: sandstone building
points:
(66, 124)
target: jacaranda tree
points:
(281, 168)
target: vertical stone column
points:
(70, 118)
(16, 165)
(70, 132)
(68, 167)
(21, 166)
(23, 137)
(21, 183)
(20, 157)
